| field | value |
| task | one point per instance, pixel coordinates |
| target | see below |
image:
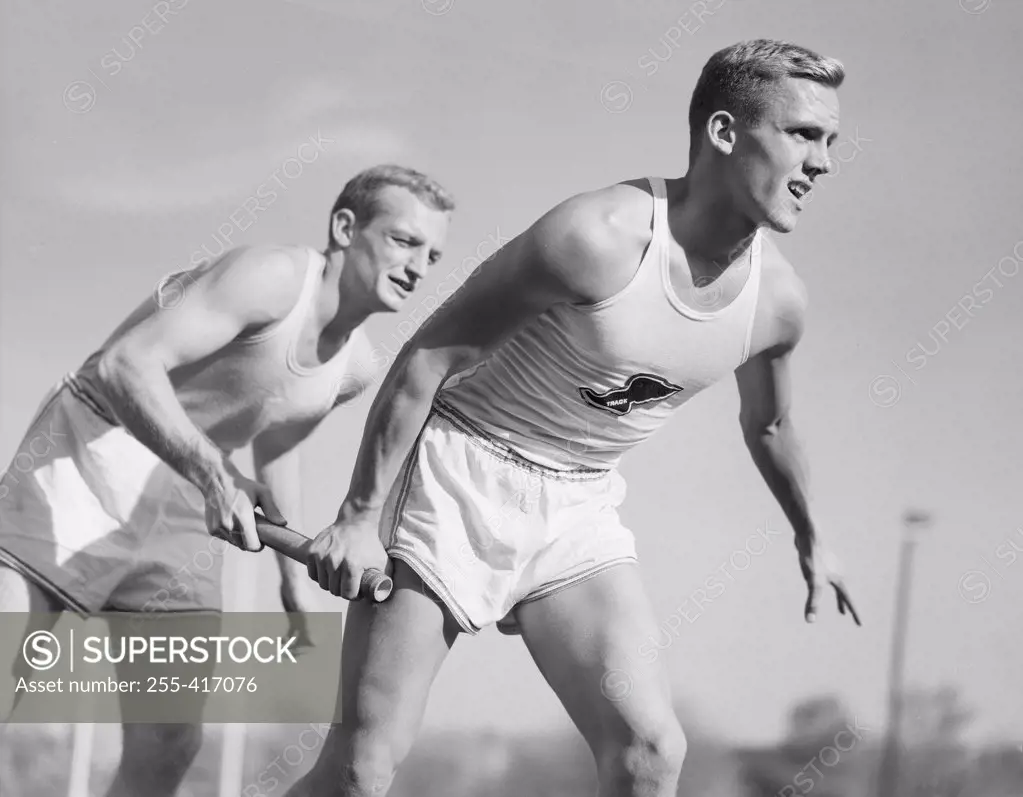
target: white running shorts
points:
(487, 529)
(99, 521)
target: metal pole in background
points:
(232, 755)
(82, 734)
(888, 781)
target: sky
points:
(135, 133)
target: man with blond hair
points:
(505, 417)
(253, 349)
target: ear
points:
(343, 227)
(721, 131)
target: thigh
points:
(585, 640)
(178, 566)
(69, 520)
(162, 700)
(18, 593)
(392, 652)
(29, 609)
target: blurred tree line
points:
(830, 753)
(827, 752)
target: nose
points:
(417, 265)
(818, 162)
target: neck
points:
(342, 304)
(705, 221)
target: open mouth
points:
(405, 285)
(798, 190)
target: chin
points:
(781, 222)
(391, 304)
(388, 300)
(782, 226)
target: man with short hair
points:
(253, 349)
(513, 404)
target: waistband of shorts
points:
(84, 394)
(502, 450)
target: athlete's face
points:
(394, 250)
(779, 159)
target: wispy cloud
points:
(139, 168)
(130, 187)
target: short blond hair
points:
(739, 79)
(360, 193)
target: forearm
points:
(395, 420)
(779, 458)
(286, 488)
(143, 399)
(289, 500)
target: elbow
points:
(752, 436)
(760, 432)
(110, 368)
(115, 367)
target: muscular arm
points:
(245, 291)
(765, 392)
(277, 462)
(279, 468)
(765, 395)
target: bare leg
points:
(19, 595)
(585, 641)
(391, 654)
(155, 757)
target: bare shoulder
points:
(783, 297)
(595, 240)
(262, 281)
(263, 269)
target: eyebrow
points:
(417, 238)
(407, 232)
(817, 130)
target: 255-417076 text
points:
(171, 684)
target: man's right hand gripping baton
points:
(376, 584)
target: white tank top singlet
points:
(253, 384)
(580, 385)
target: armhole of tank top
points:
(343, 363)
(757, 271)
(653, 252)
(348, 369)
(275, 328)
